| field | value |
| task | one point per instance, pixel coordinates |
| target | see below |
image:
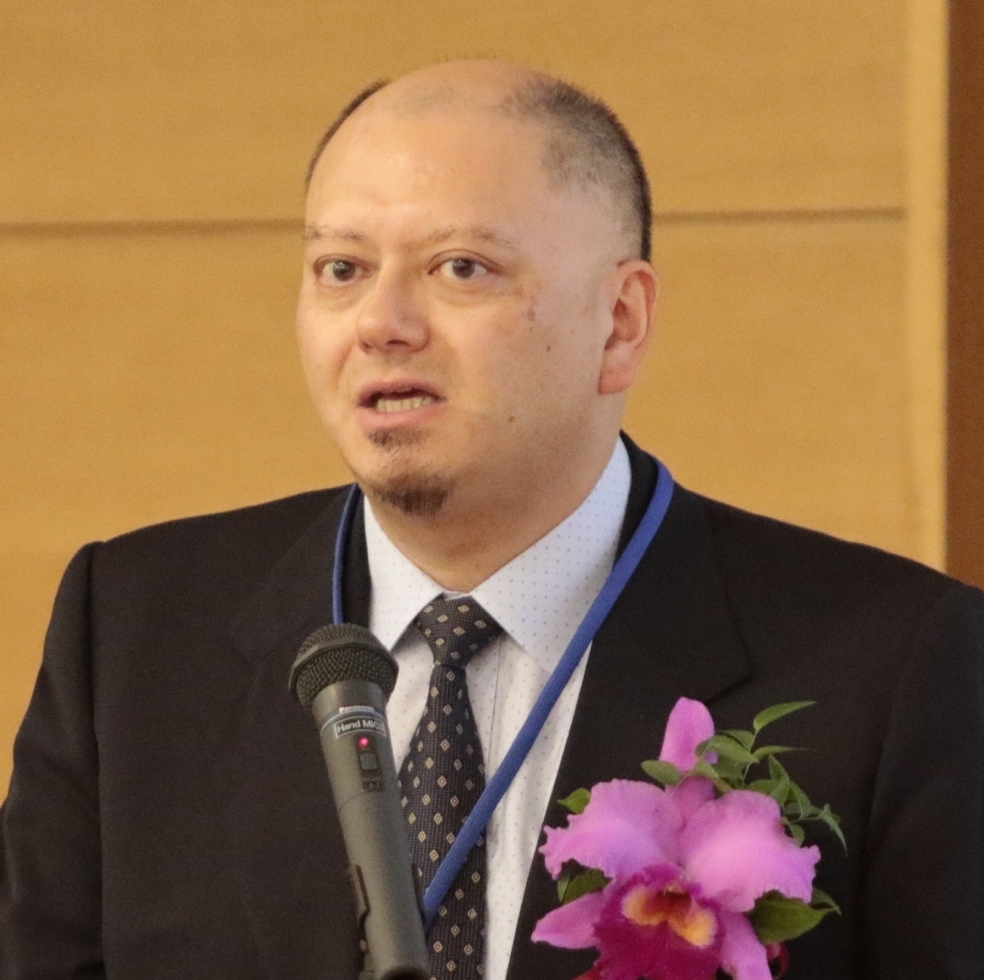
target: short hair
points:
(590, 146)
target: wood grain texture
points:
(189, 110)
(778, 377)
(926, 267)
(965, 463)
(147, 377)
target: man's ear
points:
(633, 295)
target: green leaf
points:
(777, 770)
(780, 792)
(731, 772)
(747, 739)
(777, 711)
(821, 900)
(728, 748)
(663, 772)
(777, 919)
(705, 769)
(562, 884)
(591, 880)
(768, 750)
(762, 786)
(781, 780)
(833, 822)
(801, 801)
(577, 801)
(797, 833)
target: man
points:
(476, 300)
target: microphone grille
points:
(342, 652)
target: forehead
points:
(415, 151)
(413, 173)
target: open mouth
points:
(400, 400)
(403, 402)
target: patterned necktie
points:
(441, 779)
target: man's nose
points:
(392, 315)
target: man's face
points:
(454, 307)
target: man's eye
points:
(462, 269)
(339, 270)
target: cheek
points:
(322, 359)
(311, 353)
(563, 340)
(320, 336)
(523, 366)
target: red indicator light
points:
(364, 742)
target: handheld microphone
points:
(344, 675)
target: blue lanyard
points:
(499, 782)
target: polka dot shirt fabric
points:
(539, 600)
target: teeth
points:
(403, 404)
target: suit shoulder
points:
(768, 555)
(253, 536)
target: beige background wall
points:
(150, 192)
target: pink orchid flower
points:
(684, 868)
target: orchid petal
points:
(690, 795)
(688, 725)
(628, 825)
(643, 929)
(742, 955)
(571, 926)
(736, 849)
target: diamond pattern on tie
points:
(441, 779)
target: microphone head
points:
(342, 652)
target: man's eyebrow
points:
(314, 233)
(484, 233)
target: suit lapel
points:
(268, 770)
(670, 634)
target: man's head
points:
(587, 144)
(474, 304)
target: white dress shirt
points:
(539, 599)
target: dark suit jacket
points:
(169, 815)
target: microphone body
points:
(344, 676)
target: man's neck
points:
(468, 541)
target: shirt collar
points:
(540, 597)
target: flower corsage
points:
(707, 872)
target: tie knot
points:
(456, 629)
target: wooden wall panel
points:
(776, 379)
(965, 465)
(149, 376)
(188, 110)
(926, 267)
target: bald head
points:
(584, 143)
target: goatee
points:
(413, 494)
